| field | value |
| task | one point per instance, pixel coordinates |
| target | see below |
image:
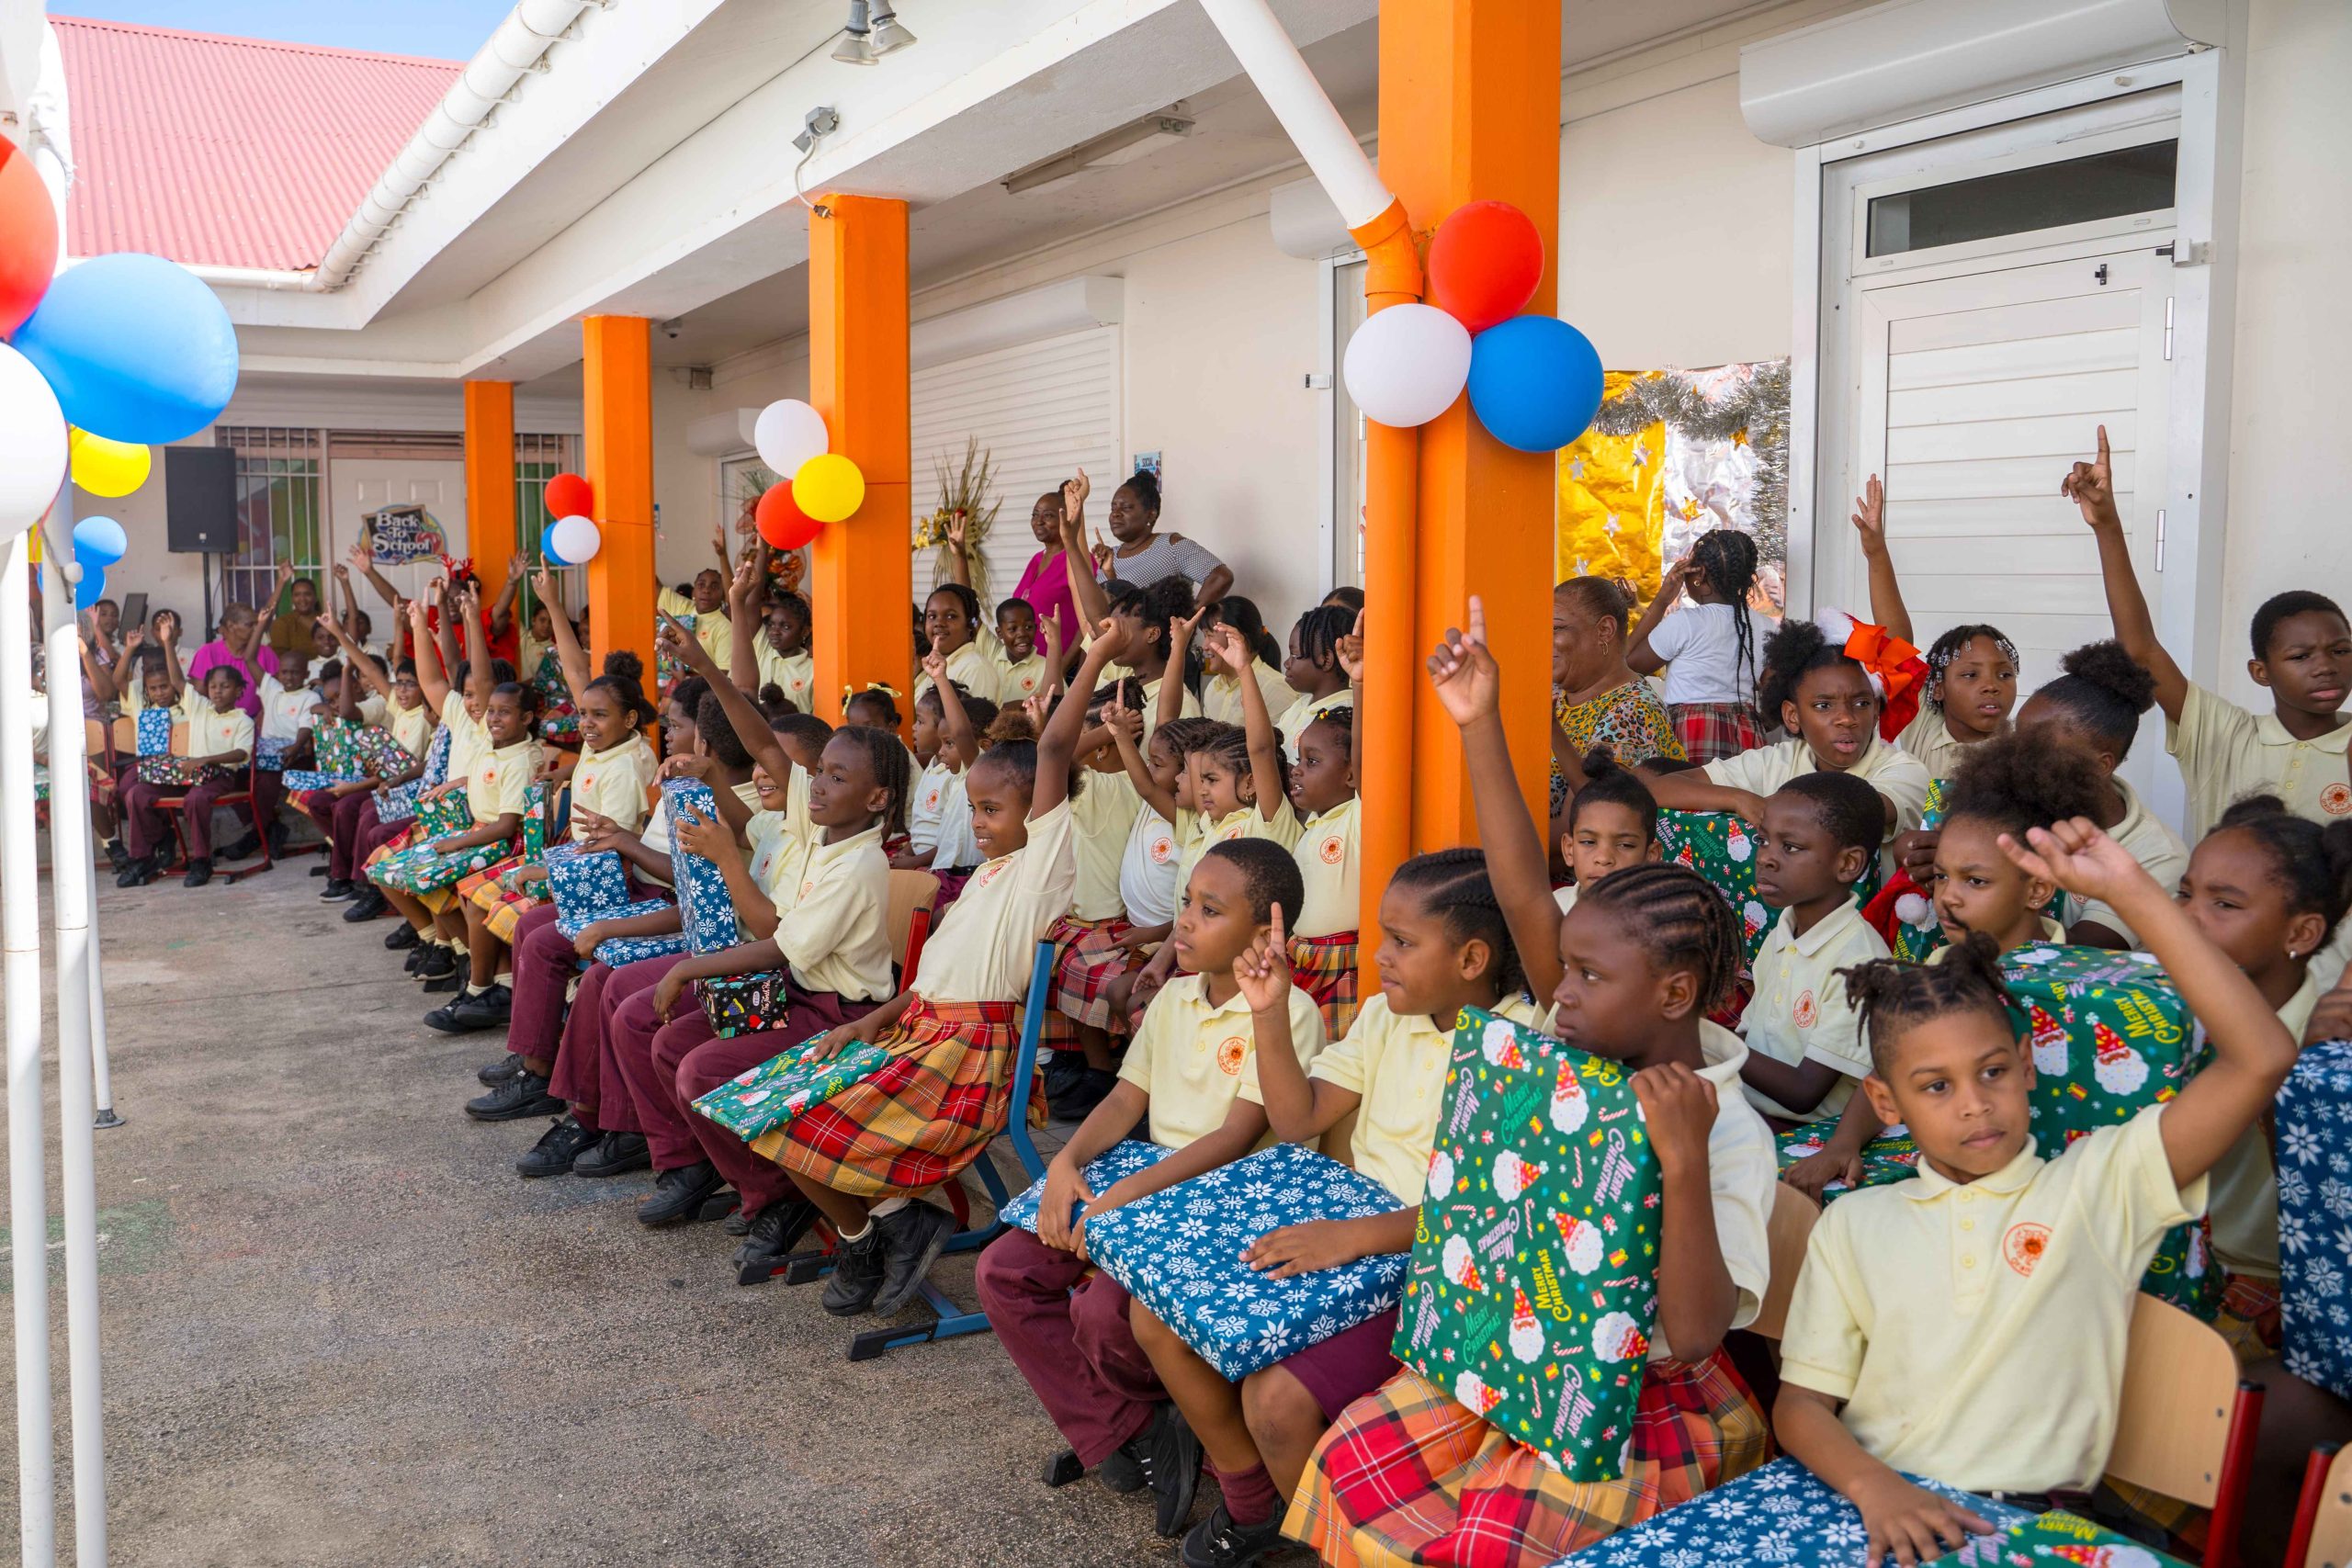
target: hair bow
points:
(1896, 672)
(850, 694)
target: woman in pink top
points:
(1045, 585)
(240, 646)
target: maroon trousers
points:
(544, 961)
(344, 819)
(1066, 1328)
(585, 1071)
(147, 829)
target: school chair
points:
(175, 811)
(907, 917)
(2323, 1534)
(951, 1321)
(2187, 1423)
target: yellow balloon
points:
(829, 487)
(108, 468)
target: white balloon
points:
(1407, 364)
(788, 433)
(33, 450)
(577, 540)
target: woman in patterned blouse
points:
(1597, 700)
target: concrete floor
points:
(339, 1330)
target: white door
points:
(358, 486)
(1976, 392)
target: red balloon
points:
(27, 238)
(783, 525)
(1484, 262)
(569, 496)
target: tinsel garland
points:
(1756, 404)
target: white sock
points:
(861, 1233)
(887, 1206)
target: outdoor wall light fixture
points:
(1136, 140)
(874, 31)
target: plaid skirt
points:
(1711, 731)
(503, 906)
(1408, 1476)
(1324, 968)
(1087, 958)
(918, 1120)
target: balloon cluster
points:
(571, 537)
(1534, 381)
(119, 353)
(818, 486)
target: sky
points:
(441, 30)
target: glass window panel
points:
(2018, 201)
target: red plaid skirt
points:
(918, 1120)
(1408, 1476)
(1087, 958)
(502, 909)
(1324, 968)
(1711, 731)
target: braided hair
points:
(1893, 996)
(1728, 558)
(1947, 648)
(1342, 718)
(1681, 920)
(2310, 861)
(1319, 631)
(1231, 745)
(1453, 884)
(2104, 691)
(888, 759)
(1190, 733)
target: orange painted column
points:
(489, 483)
(617, 408)
(1470, 111)
(861, 578)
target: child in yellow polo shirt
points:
(1969, 1325)
(1805, 1052)
(1194, 1071)
(210, 732)
(1445, 947)
(1323, 953)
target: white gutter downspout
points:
(514, 49)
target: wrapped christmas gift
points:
(2110, 1038)
(2060, 1538)
(1782, 1515)
(1890, 1156)
(586, 883)
(400, 800)
(369, 749)
(535, 822)
(1104, 1171)
(301, 781)
(763, 1098)
(1533, 1283)
(439, 816)
(705, 910)
(744, 1004)
(154, 729)
(572, 924)
(2315, 1239)
(621, 951)
(269, 755)
(422, 869)
(176, 772)
(1720, 847)
(1178, 1252)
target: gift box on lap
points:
(535, 822)
(443, 815)
(585, 884)
(572, 924)
(2314, 1129)
(1722, 848)
(2057, 1537)
(154, 730)
(176, 772)
(744, 1004)
(1890, 1156)
(1178, 1252)
(301, 781)
(754, 1103)
(1107, 1169)
(621, 951)
(270, 756)
(705, 910)
(1782, 1515)
(424, 870)
(1533, 1283)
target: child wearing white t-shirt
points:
(1711, 650)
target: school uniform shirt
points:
(1700, 645)
(1398, 1063)
(713, 628)
(1221, 694)
(1889, 769)
(1977, 1333)
(1248, 822)
(831, 921)
(2245, 1186)
(1929, 739)
(413, 727)
(1147, 870)
(1305, 711)
(1743, 1169)
(613, 784)
(468, 737)
(766, 836)
(794, 673)
(2157, 849)
(209, 732)
(959, 846)
(2226, 754)
(1329, 859)
(1566, 898)
(371, 708)
(1106, 810)
(1800, 1012)
(1193, 1059)
(970, 668)
(1017, 681)
(1150, 689)
(496, 785)
(983, 946)
(284, 714)
(927, 807)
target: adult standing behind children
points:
(294, 613)
(1712, 651)
(1044, 582)
(1146, 555)
(239, 646)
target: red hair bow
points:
(1897, 673)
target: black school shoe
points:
(500, 1071)
(138, 874)
(1217, 1542)
(401, 937)
(679, 1195)
(199, 871)
(616, 1153)
(117, 856)
(857, 1273)
(558, 1146)
(245, 848)
(367, 906)
(487, 1008)
(524, 1094)
(1168, 1455)
(458, 978)
(775, 1229)
(337, 889)
(911, 1240)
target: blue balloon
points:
(1535, 382)
(99, 541)
(135, 348)
(91, 589)
(547, 547)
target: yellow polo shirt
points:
(1221, 694)
(1304, 711)
(211, 733)
(1150, 689)
(1742, 1173)
(970, 668)
(1248, 822)
(713, 628)
(982, 948)
(1192, 1058)
(795, 673)
(1889, 769)
(468, 737)
(496, 785)
(1398, 1065)
(2157, 849)
(1929, 739)
(1977, 1333)
(615, 784)
(832, 918)
(927, 805)
(1801, 1011)
(413, 727)
(1330, 862)
(1018, 679)
(2244, 1185)
(2226, 754)
(1105, 812)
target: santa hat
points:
(1896, 672)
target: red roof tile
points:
(229, 152)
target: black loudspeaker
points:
(200, 500)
